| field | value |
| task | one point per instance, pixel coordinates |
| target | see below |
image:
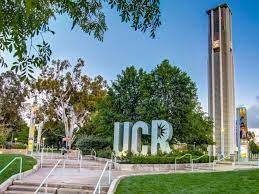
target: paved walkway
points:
(72, 176)
(91, 176)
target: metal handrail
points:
(98, 185)
(79, 153)
(93, 151)
(80, 162)
(181, 158)
(200, 158)
(48, 151)
(16, 158)
(222, 158)
(46, 178)
(41, 157)
(215, 161)
(113, 157)
(79, 158)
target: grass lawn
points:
(28, 163)
(216, 182)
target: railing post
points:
(234, 160)
(80, 164)
(110, 173)
(175, 165)
(21, 168)
(52, 152)
(46, 185)
(41, 158)
(191, 160)
(192, 165)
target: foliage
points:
(4, 132)
(22, 133)
(23, 20)
(253, 148)
(165, 93)
(87, 143)
(162, 158)
(165, 159)
(250, 136)
(12, 98)
(68, 96)
(196, 183)
(106, 153)
(53, 132)
(18, 146)
(28, 163)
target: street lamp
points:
(15, 140)
(43, 140)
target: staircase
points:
(66, 178)
(21, 187)
(73, 163)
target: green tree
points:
(4, 132)
(23, 20)
(253, 148)
(67, 95)
(54, 133)
(23, 133)
(250, 136)
(12, 98)
(164, 93)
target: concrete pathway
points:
(73, 176)
(91, 176)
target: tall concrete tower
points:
(221, 79)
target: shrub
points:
(157, 160)
(104, 153)
(18, 146)
(254, 149)
(166, 159)
(87, 143)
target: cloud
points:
(253, 115)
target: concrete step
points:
(87, 166)
(61, 185)
(31, 188)
(224, 162)
(24, 192)
(68, 189)
(76, 191)
(57, 157)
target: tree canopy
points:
(12, 98)
(165, 93)
(67, 95)
(23, 20)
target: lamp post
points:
(43, 142)
(222, 143)
(15, 140)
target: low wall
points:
(13, 151)
(155, 167)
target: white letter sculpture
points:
(128, 139)
(136, 138)
(162, 133)
(118, 133)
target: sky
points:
(182, 38)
